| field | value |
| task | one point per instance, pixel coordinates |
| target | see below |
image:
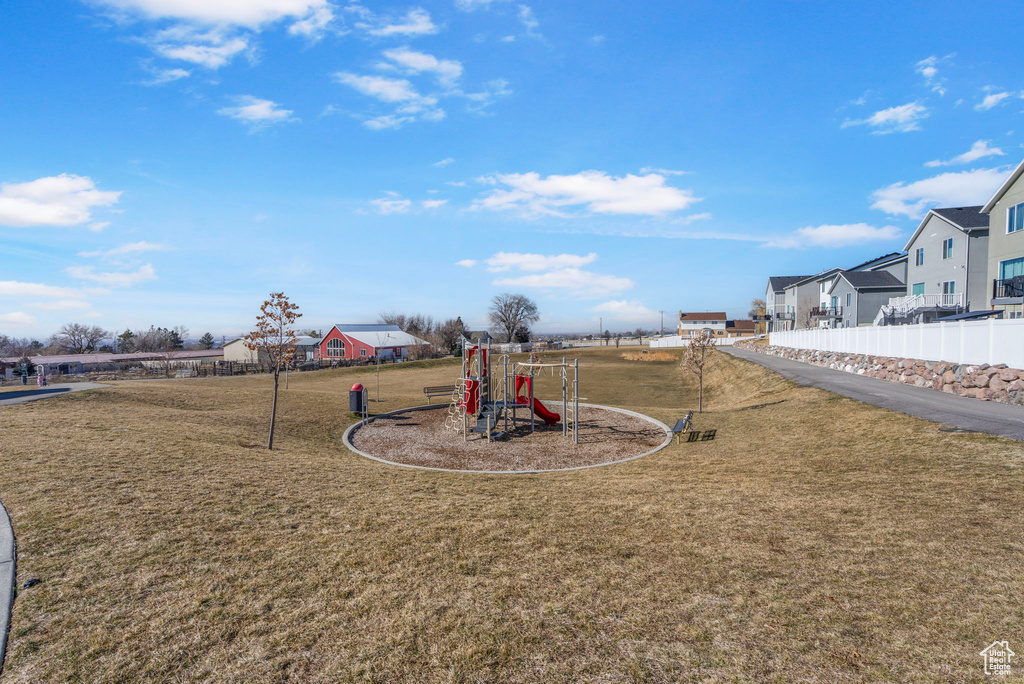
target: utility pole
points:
(662, 323)
(600, 325)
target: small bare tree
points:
(513, 314)
(695, 360)
(274, 337)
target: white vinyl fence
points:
(990, 341)
(682, 341)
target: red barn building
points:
(367, 340)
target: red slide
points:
(543, 413)
(540, 409)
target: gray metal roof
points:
(379, 339)
(870, 279)
(780, 283)
(965, 217)
(877, 261)
(367, 327)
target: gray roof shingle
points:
(780, 283)
(868, 279)
(965, 217)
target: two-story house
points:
(780, 314)
(1006, 245)
(947, 263)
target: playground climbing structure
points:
(488, 405)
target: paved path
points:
(6, 579)
(20, 396)
(940, 407)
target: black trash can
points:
(355, 399)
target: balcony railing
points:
(1009, 288)
(901, 306)
(784, 315)
(827, 312)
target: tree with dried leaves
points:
(513, 314)
(695, 359)
(75, 338)
(274, 338)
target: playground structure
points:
(480, 405)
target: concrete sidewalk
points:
(939, 407)
(20, 396)
(7, 570)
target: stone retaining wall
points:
(985, 382)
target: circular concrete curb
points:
(7, 573)
(347, 439)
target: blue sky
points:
(171, 162)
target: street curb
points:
(8, 568)
(346, 438)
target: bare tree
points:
(512, 314)
(76, 338)
(695, 359)
(757, 310)
(449, 334)
(274, 336)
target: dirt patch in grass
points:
(420, 438)
(650, 356)
(815, 540)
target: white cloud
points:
(845, 235)
(929, 68)
(411, 105)
(597, 39)
(64, 200)
(631, 309)
(468, 263)
(594, 191)
(664, 172)
(992, 100)
(470, 5)
(385, 89)
(434, 204)
(257, 114)
(63, 305)
(494, 89)
(457, 184)
(162, 76)
(124, 279)
(447, 71)
(529, 21)
(506, 261)
(249, 13)
(444, 162)
(953, 189)
(687, 220)
(573, 281)
(129, 248)
(13, 288)
(17, 318)
(392, 206)
(899, 119)
(416, 22)
(978, 150)
(211, 55)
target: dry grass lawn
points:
(816, 540)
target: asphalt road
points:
(939, 407)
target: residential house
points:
(779, 313)
(740, 328)
(367, 340)
(861, 294)
(689, 323)
(947, 264)
(1006, 245)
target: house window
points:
(362, 352)
(335, 348)
(947, 248)
(917, 289)
(1011, 268)
(849, 299)
(949, 287)
(1015, 218)
(919, 257)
